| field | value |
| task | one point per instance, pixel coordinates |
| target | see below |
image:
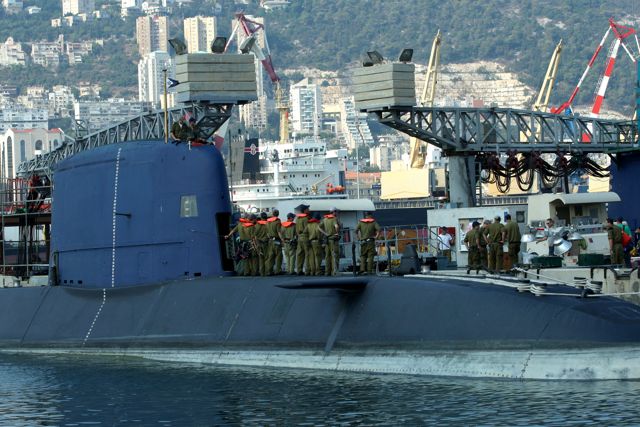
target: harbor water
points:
(78, 391)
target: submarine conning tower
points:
(139, 213)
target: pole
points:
(166, 113)
(638, 104)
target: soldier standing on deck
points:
(288, 236)
(302, 251)
(615, 243)
(262, 243)
(495, 239)
(472, 240)
(330, 227)
(247, 248)
(274, 250)
(513, 237)
(315, 244)
(367, 231)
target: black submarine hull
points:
(375, 324)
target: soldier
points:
(512, 232)
(367, 231)
(288, 236)
(615, 243)
(315, 245)
(240, 264)
(472, 240)
(274, 250)
(495, 238)
(179, 130)
(247, 253)
(482, 238)
(262, 243)
(330, 227)
(302, 251)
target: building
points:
(130, 7)
(12, 6)
(381, 157)
(354, 125)
(21, 117)
(48, 54)
(32, 10)
(305, 107)
(100, 114)
(76, 51)
(60, 101)
(152, 33)
(75, 7)
(151, 77)
(11, 53)
(199, 32)
(20, 145)
(254, 114)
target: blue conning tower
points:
(139, 213)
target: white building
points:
(305, 107)
(12, 6)
(61, 101)
(48, 54)
(11, 53)
(381, 157)
(101, 114)
(354, 124)
(151, 77)
(128, 7)
(199, 32)
(254, 114)
(75, 7)
(20, 117)
(20, 145)
(152, 33)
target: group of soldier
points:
(305, 239)
(182, 131)
(486, 243)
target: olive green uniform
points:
(180, 130)
(483, 254)
(617, 251)
(315, 244)
(248, 266)
(303, 249)
(494, 236)
(274, 250)
(471, 240)
(288, 232)
(331, 227)
(368, 232)
(513, 239)
(262, 243)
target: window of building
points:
(23, 151)
(188, 206)
(38, 145)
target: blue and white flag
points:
(172, 83)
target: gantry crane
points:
(250, 29)
(620, 34)
(418, 147)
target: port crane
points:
(542, 101)
(251, 30)
(418, 147)
(620, 33)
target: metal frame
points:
(464, 131)
(142, 128)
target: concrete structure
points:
(151, 77)
(11, 53)
(48, 54)
(20, 117)
(306, 107)
(101, 114)
(12, 6)
(19, 145)
(152, 33)
(354, 126)
(61, 101)
(75, 7)
(199, 32)
(128, 7)
(381, 157)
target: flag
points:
(172, 83)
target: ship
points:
(139, 267)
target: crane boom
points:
(542, 101)
(417, 154)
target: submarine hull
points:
(379, 324)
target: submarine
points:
(139, 267)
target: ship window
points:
(188, 206)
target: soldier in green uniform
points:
(367, 232)
(248, 258)
(615, 243)
(262, 243)
(315, 244)
(330, 227)
(288, 236)
(482, 239)
(512, 232)
(274, 249)
(472, 241)
(303, 250)
(495, 237)
(179, 130)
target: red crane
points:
(620, 33)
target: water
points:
(81, 391)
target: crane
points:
(418, 152)
(620, 34)
(542, 101)
(250, 29)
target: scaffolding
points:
(25, 226)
